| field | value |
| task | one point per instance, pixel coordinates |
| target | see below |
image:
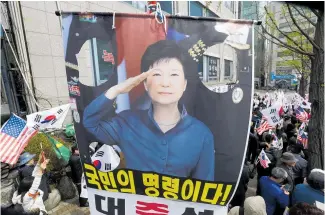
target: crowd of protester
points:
(285, 185)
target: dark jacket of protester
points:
(300, 169)
(252, 146)
(239, 197)
(311, 192)
(76, 168)
(27, 171)
(290, 179)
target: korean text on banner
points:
(156, 116)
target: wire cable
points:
(23, 75)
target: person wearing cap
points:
(27, 165)
(287, 162)
(300, 169)
(275, 196)
(254, 205)
(311, 191)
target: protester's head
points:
(296, 148)
(255, 205)
(294, 120)
(288, 159)
(292, 141)
(305, 209)
(278, 174)
(168, 82)
(290, 127)
(316, 179)
(25, 184)
(26, 158)
(75, 150)
(268, 138)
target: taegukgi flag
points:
(48, 119)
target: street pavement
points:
(65, 208)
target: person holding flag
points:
(28, 194)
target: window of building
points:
(141, 5)
(166, 6)
(213, 68)
(195, 8)
(209, 13)
(103, 60)
(230, 5)
(228, 68)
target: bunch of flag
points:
(264, 126)
(301, 114)
(263, 159)
(302, 135)
(14, 137)
(16, 132)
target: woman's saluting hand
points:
(127, 85)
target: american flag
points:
(14, 136)
(263, 127)
(301, 114)
(264, 160)
(303, 139)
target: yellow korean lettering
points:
(92, 176)
(187, 189)
(196, 191)
(217, 195)
(151, 181)
(126, 179)
(108, 181)
(171, 187)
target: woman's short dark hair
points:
(304, 209)
(163, 50)
(74, 148)
(25, 184)
(316, 180)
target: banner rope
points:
(161, 15)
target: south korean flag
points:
(105, 159)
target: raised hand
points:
(44, 164)
(127, 85)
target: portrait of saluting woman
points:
(165, 138)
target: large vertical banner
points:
(161, 110)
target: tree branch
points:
(303, 32)
(284, 44)
(277, 27)
(316, 13)
(303, 15)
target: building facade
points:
(253, 10)
(38, 41)
(280, 55)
